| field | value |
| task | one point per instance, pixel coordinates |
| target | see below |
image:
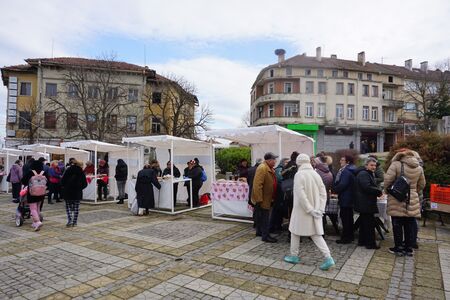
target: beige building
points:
(340, 103)
(59, 99)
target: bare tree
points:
(171, 102)
(245, 120)
(93, 101)
(29, 120)
(430, 92)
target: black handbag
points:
(401, 189)
(8, 178)
(287, 185)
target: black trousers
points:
(16, 190)
(195, 195)
(175, 192)
(346, 215)
(262, 221)
(403, 227)
(366, 230)
(102, 186)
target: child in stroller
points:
(23, 211)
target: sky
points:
(220, 46)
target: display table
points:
(230, 198)
(163, 197)
(89, 191)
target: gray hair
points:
(369, 160)
(259, 160)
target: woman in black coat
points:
(195, 173)
(121, 179)
(145, 181)
(35, 202)
(73, 183)
(366, 193)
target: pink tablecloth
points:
(229, 190)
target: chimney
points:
(408, 64)
(304, 53)
(319, 53)
(424, 66)
(280, 53)
(362, 58)
(333, 56)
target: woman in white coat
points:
(310, 197)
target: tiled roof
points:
(18, 68)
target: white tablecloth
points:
(230, 198)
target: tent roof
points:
(165, 141)
(93, 145)
(50, 149)
(258, 135)
(19, 152)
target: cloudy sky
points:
(220, 46)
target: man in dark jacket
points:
(176, 174)
(379, 173)
(366, 193)
(343, 186)
(121, 179)
(288, 174)
(195, 173)
(145, 181)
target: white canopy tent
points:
(262, 139)
(10, 155)
(79, 155)
(114, 151)
(178, 151)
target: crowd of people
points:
(300, 188)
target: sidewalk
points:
(113, 255)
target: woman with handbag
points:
(14, 177)
(73, 183)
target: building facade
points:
(60, 99)
(340, 103)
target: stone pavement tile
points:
(371, 292)
(147, 295)
(109, 297)
(375, 282)
(195, 272)
(203, 258)
(100, 281)
(120, 274)
(318, 281)
(344, 286)
(147, 282)
(128, 291)
(218, 261)
(136, 268)
(254, 287)
(292, 276)
(273, 272)
(241, 295)
(277, 293)
(218, 290)
(180, 268)
(300, 296)
(379, 274)
(152, 246)
(164, 275)
(199, 285)
(253, 268)
(153, 261)
(427, 293)
(164, 288)
(78, 290)
(58, 296)
(181, 280)
(428, 282)
(237, 265)
(304, 269)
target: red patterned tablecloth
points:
(229, 190)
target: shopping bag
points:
(134, 207)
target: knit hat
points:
(303, 159)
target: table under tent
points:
(9, 157)
(233, 205)
(112, 152)
(179, 151)
(80, 155)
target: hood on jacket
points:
(357, 170)
(352, 168)
(323, 167)
(408, 158)
(120, 162)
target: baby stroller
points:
(23, 212)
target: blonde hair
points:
(77, 163)
(53, 163)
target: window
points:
(319, 73)
(410, 107)
(365, 113)
(131, 123)
(374, 113)
(50, 89)
(391, 79)
(113, 93)
(391, 116)
(339, 111)
(271, 73)
(410, 129)
(350, 111)
(309, 87)
(288, 87)
(360, 76)
(388, 94)
(25, 88)
(156, 125)
(369, 76)
(375, 91)
(351, 89)
(290, 109)
(308, 72)
(339, 88)
(334, 73)
(72, 121)
(50, 119)
(24, 120)
(322, 87)
(112, 122)
(72, 91)
(93, 92)
(91, 122)
(366, 90)
(156, 97)
(271, 110)
(260, 112)
(271, 88)
(345, 74)
(321, 110)
(133, 94)
(309, 113)
(288, 71)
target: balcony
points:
(393, 103)
(277, 97)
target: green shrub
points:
(228, 159)
(434, 149)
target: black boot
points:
(120, 201)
